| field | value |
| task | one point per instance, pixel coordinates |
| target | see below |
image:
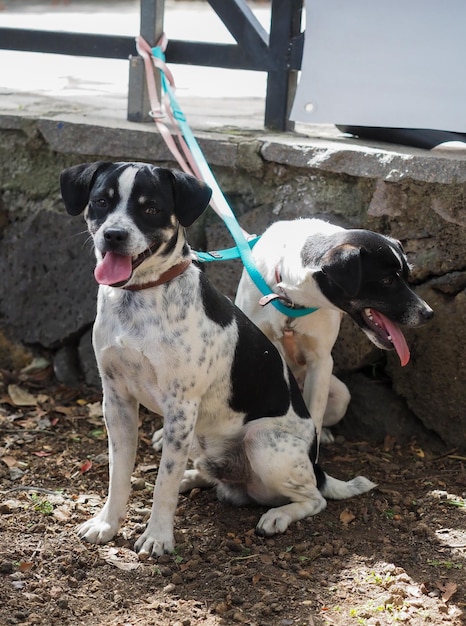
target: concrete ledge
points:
(80, 129)
(384, 162)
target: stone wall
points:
(46, 259)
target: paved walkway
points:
(211, 97)
(78, 88)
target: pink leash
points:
(186, 162)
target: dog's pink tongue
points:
(397, 337)
(113, 269)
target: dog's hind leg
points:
(121, 417)
(277, 520)
(295, 486)
(281, 473)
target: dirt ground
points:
(393, 556)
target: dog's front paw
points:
(157, 440)
(326, 436)
(149, 544)
(97, 530)
(274, 522)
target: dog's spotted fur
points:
(185, 351)
(316, 264)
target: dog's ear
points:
(76, 183)
(342, 265)
(192, 197)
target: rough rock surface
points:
(413, 195)
(48, 278)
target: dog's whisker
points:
(88, 242)
(79, 234)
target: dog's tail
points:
(339, 489)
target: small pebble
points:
(6, 567)
(139, 484)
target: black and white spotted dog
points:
(166, 339)
(311, 263)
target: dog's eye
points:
(100, 203)
(388, 280)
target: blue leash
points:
(224, 255)
(243, 246)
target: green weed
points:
(378, 579)
(445, 564)
(41, 505)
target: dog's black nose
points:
(115, 235)
(427, 314)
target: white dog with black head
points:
(311, 263)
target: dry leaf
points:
(448, 589)
(91, 499)
(266, 559)
(414, 591)
(86, 466)
(55, 592)
(25, 566)
(95, 409)
(62, 513)
(127, 567)
(21, 397)
(9, 506)
(121, 558)
(346, 517)
(389, 443)
(10, 461)
(418, 452)
(148, 468)
(146, 440)
(29, 423)
(64, 410)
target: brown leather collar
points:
(166, 277)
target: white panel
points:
(391, 63)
